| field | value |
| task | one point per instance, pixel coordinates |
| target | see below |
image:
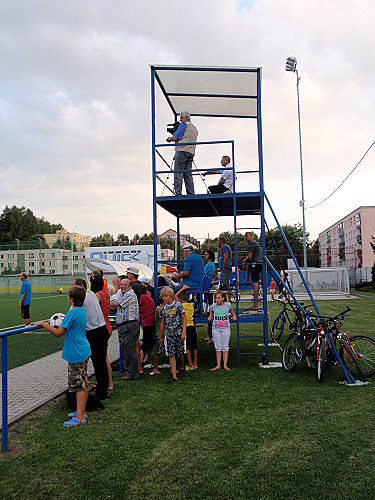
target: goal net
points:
(332, 281)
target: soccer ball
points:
(56, 320)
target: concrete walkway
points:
(36, 383)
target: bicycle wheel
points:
(292, 352)
(348, 357)
(278, 327)
(321, 359)
(365, 350)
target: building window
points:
(41, 255)
(52, 271)
(31, 264)
(64, 257)
(31, 271)
(52, 263)
(65, 266)
(51, 254)
(31, 255)
(75, 266)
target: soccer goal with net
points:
(333, 281)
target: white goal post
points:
(321, 281)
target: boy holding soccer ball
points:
(76, 351)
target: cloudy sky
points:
(75, 104)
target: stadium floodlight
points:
(291, 65)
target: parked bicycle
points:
(290, 315)
(311, 344)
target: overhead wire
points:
(346, 178)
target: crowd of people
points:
(163, 317)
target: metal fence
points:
(39, 283)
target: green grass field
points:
(249, 433)
(29, 346)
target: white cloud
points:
(75, 105)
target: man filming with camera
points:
(183, 160)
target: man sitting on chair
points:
(226, 180)
(192, 272)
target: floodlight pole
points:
(291, 65)
(71, 247)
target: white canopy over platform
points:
(210, 91)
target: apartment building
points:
(42, 261)
(81, 241)
(184, 238)
(347, 242)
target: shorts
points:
(255, 270)
(173, 344)
(191, 338)
(148, 338)
(25, 311)
(77, 376)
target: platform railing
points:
(4, 378)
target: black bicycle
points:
(290, 315)
(311, 344)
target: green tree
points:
(167, 243)
(146, 239)
(21, 223)
(122, 239)
(294, 235)
(65, 244)
(103, 240)
(313, 254)
(10, 270)
(211, 244)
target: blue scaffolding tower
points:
(218, 92)
(203, 91)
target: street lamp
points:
(291, 65)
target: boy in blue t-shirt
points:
(76, 351)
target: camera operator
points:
(186, 132)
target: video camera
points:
(172, 127)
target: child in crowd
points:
(76, 351)
(147, 313)
(173, 321)
(158, 346)
(219, 315)
(191, 333)
(273, 288)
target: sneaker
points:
(74, 414)
(74, 423)
(181, 374)
(188, 368)
(170, 380)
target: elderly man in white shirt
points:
(97, 335)
(226, 177)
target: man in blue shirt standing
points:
(193, 270)
(25, 299)
(225, 263)
(183, 160)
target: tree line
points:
(294, 235)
